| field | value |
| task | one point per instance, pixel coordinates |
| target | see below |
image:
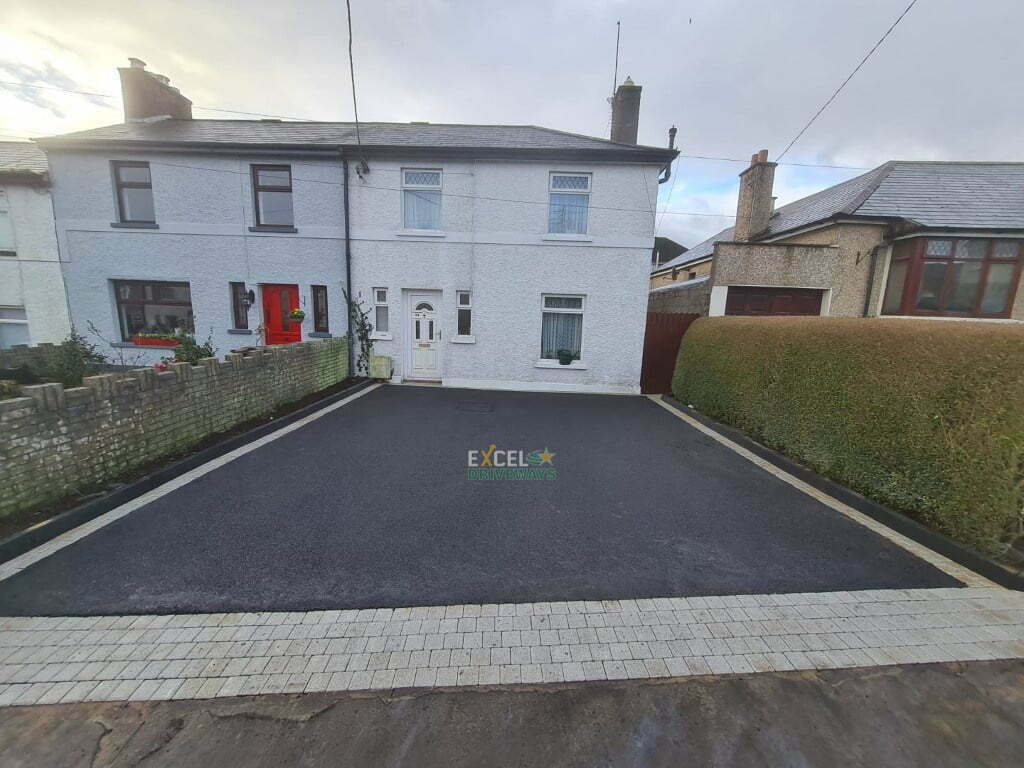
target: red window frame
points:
(914, 252)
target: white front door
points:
(424, 337)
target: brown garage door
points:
(744, 300)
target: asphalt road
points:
(370, 506)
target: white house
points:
(33, 306)
(481, 253)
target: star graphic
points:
(546, 456)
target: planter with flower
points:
(297, 316)
(156, 340)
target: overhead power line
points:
(355, 107)
(311, 120)
(848, 79)
(111, 96)
(485, 198)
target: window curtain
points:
(567, 214)
(422, 209)
(561, 331)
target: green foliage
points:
(359, 317)
(72, 360)
(191, 351)
(924, 416)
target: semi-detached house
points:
(479, 252)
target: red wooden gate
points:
(661, 347)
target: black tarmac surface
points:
(370, 506)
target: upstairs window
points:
(465, 313)
(568, 204)
(380, 316)
(421, 198)
(134, 187)
(320, 324)
(956, 277)
(6, 228)
(153, 307)
(272, 195)
(561, 326)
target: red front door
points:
(278, 301)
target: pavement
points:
(932, 714)
(370, 506)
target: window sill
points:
(575, 365)
(319, 335)
(953, 318)
(421, 233)
(240, 331)
(568, 237)
(269, 228)
(134, 225)
(375, 336)
(463, 340)
(129, 345)
(8, 254)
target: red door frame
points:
(278, 301)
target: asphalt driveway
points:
(371, 506)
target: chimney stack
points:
(755, 204)
(626, 112)
(147, 95)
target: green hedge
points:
(926, 416)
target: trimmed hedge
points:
(925, 416)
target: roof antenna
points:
(615, 76)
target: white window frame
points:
(5, 213)
(439, 188)
(546, 362)
(459, 306)
(589, 176)
(17, 321)
(377, 304)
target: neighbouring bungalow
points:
(908, 239)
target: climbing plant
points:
(359, 318)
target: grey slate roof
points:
(21, 158)
(372, 135)
(954, 195)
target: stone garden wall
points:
(55, 442)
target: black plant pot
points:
(564, 357)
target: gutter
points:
(348, 264)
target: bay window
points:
(955, 277)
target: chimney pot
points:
(626, 112)
(755, 204)
(147, 95)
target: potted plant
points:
(296, 315)
(565, 357)
(155, 340)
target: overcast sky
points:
(733, 75)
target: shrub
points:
(75, 358)
(924, 416)
(191, 351)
